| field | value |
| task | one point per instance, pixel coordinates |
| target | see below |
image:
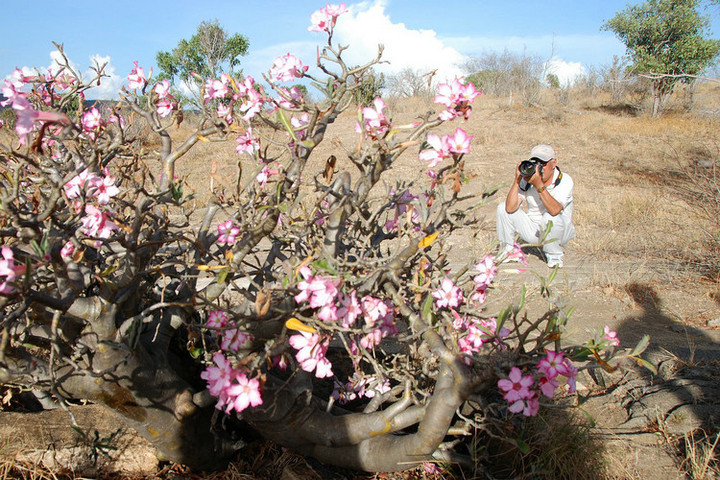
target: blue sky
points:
(419, 34)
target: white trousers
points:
(519, 223)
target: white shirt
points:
(561, 191)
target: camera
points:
(527, 168)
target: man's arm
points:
(513, 200)
(551, 205)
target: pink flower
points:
(227, 232)
(287, 68)
(431, 468)
(457, 98)
(247, 143)
(96, 223)
(216, 319)
(516, 255)
(375, 123)
(611, 336)
(252, 99)
(91, 120)
(459, 142)
(8, 270)
(224, 111)
(553, 364)
(164, 107)
(311, 353)
(76, 185)
(324, 19)
(233, 339)
(349, 309)
(375, 309)
(215, 89)
(136, 78)
(571, 375)
(532, 405)
(162, 89)
(218, 378)
(102, 188)
(27, 116)
(516, 386)
(299, 124)
(289, 99)
(67, 251)
(548, 386)
(486, 272)
(448, 295)
(264, 175)
(317, 290)
(439, 150)
(242, 393)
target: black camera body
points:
(527, 168)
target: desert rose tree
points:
(320, 311)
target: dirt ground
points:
(614, 273)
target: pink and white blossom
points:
(217, 319)
(610, 336)
(92, 120)
(247, 143)
(162, 89)
(287, 68)
(375, 123)
(311, 353)
(227, 231)
(96, 223)
(457, 97)
(459, 142)
(164, 107)
(102, 188)
(243, 392)
(323, 20)
(448, 295)
(8, 270)
(136, 78)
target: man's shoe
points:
(554, 261)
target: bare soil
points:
(630, 267)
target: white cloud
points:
(109, 86)
(567, 72)
(367, 25)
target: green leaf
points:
(196, 352)
(286, 123)
(523, 298)
(641, 346)
(426, 309)
(524, 447)
(644, 363)
(222, 276)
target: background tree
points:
(409, 83)
(209, 52)
(667, 41)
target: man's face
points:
(548, 169)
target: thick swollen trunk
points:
(147, 393)
(374, 442)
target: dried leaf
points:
(295, 324)
(329, 168)
(262, 303)
(427, 241)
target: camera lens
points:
(527, 168)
